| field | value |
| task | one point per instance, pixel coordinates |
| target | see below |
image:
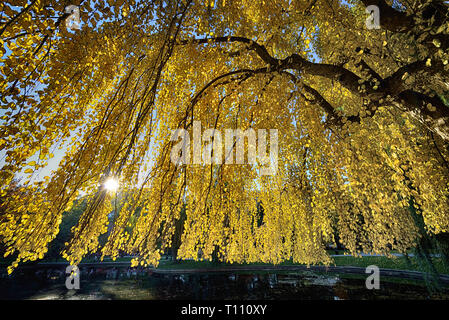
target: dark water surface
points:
(213, 286)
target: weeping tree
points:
(355, 108)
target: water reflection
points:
(132, 284)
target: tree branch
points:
(430, 111)
(333, 118)
(252, 45)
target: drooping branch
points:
(370, 71)
(429, 110)
(347, 78)
(334, 119)
(393, 86)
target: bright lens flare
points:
(111, 184)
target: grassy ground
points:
(398, 263)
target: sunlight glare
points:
(111, 184)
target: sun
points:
(111, 184)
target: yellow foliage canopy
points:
(361, 113)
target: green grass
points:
(398, 263)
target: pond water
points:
(215, 286)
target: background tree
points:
(69, 220)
